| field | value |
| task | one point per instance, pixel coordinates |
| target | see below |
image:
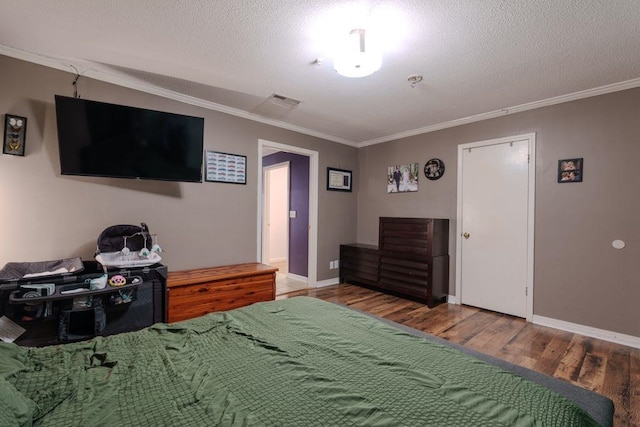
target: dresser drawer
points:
(359, 263)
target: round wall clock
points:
(434, 169)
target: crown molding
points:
(121, 80)
(89, 70)
(602, 90)
(35, 58)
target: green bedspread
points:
(296, 362)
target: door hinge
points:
(526, 291)
(528, 158)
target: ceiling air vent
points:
(284, 101)
(276, 106)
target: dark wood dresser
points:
(359, 263)
(411, 260)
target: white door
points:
(495, 228)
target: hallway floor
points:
(285, 284)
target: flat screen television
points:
(109, 140)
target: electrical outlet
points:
(331, 265)
(336, 263)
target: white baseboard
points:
(298, 278)
(328, 282)
(616, 337)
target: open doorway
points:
(298, 267)
(275, 242)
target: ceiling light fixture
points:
(357, 58)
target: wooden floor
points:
(607, 368)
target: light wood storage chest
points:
(193, 293)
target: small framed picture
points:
(570, 170)
(15, 135)
(225, 167)
(339, 179)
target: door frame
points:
(266, 209)
(312, 262)
(531, 141)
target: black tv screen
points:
(109, 140)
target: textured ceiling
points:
(477, 57)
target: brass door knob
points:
(466, 235)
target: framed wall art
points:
(402, 178)
(15, 135)
(225, 167)
(339, 179)
(570, 170)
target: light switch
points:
(293, 214)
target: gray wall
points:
(579, 277)
(44, 215)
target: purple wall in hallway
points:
(299, 202)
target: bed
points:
(294, 362)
